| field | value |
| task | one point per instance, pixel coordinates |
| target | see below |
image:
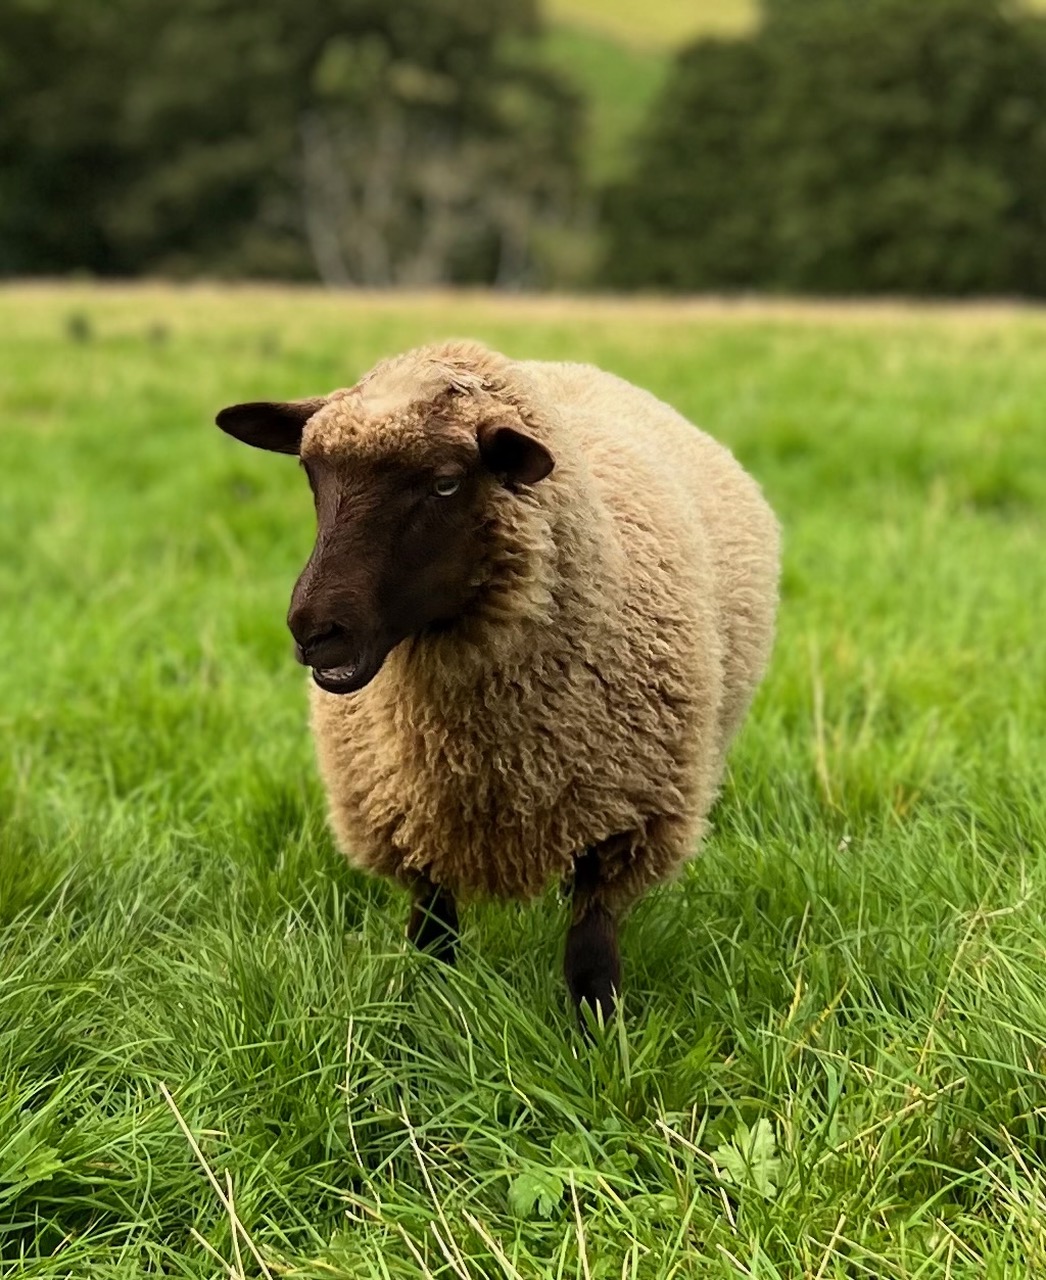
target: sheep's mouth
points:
(346, 679)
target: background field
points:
(851, 975)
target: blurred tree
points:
(415, 173)
(59, 103)
(365, 141)
(847, 146)
(695, 210)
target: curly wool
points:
(623, 620)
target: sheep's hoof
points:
(433, 924)
(592, 965)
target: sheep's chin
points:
(345, 679)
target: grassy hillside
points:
(830, 1062)
(618, 81)
(661, 24)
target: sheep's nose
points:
(310, 637)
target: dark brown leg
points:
(592, 964)
(433, 923)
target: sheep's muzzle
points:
(340, 662)
(347, 679)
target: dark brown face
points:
(397, 551)
(399, 539)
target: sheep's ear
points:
(268, 424)
(514, 455)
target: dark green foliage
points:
(58, 158)
(364, 142)
(694, 210)
(847, 147)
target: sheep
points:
(538, 606)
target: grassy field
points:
(831, 1061)
(618, 83)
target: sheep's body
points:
(623, 622)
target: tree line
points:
(847, 146)
(361, 141)
(844, 146)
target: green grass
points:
(852, 973)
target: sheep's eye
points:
(446, 485)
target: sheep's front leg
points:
(592, 964)
(433, 923)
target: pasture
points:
(217, 1055)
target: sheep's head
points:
(401, 473)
